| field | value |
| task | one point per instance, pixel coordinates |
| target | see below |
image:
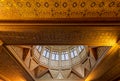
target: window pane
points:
(44, 52)
(63, 57)
(57, 57)
(39, 49)
(47, 54)
(66, 56)
(53, 56)
(75, 53)
(82, 47)
(72, 54)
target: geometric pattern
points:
(34, 9)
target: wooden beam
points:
(66, 21)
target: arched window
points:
(73, 53)
(64, 56)
(55, 56)
(46, 53)
(39, 48)
(80, 48)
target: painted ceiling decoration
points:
(45, 9)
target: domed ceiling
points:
(61, 57)
(48, 62)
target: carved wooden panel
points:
(102, 50)
(61, 37)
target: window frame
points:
(39, 48)
(56, 56)
(47, 54)
(80, 48)
(64, 57)
(73, 52)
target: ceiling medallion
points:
(46, 4)
(28, 4)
